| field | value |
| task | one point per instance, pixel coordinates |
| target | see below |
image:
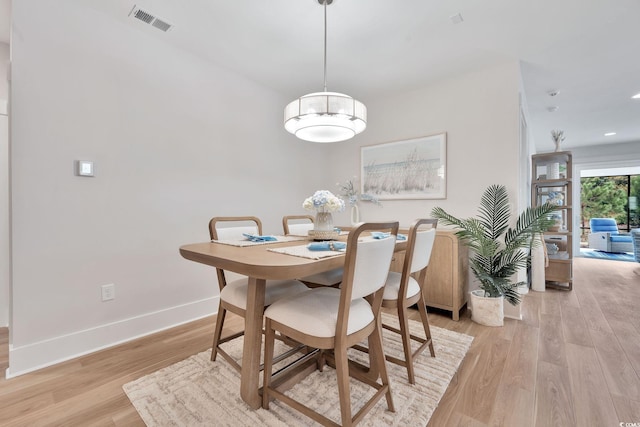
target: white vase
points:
(355, 215)
(324, 221)
(486, 310)
(553, 171)
(537, 268)
(557, 142)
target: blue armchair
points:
(635, 234)
(606, 237)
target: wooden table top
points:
(257, 261)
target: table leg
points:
(250, 376)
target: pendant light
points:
(325, 116)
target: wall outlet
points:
(108, 292)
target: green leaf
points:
(498, 252)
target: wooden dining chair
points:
(299, 225)
(402, 290)
(233, 293)
(336, 319)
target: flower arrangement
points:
(323, 201)
(348, 190)
(556, 198)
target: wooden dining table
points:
(259, 264)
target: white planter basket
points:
(486, 311)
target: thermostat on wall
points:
(84, 168)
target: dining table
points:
(260, 263)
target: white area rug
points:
(199, 392)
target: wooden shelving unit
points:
(552, 182)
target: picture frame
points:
(408, 169)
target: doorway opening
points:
(613, 194)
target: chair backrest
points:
(366, 268)
(298, 225)
(420, 244)
(368, 260)
(235, 226)
(598, 225)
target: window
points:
(610, 197)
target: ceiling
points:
(586, 51)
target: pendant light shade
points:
(325, 116)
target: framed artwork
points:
(409, 169)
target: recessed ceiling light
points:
(553, 92)
(609, 134)
(636, 96)
(552, 109)
(457, 18)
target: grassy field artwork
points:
(409, 169)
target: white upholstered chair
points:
(299, 225)
(328, 318)
(402, 291)
(233, 293)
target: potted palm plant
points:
(498, 251)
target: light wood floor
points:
(574, 360)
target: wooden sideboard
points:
(447, 275)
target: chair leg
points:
(344, 392)
(406, 342)
(321, 360)
(269, 341)
(377, 348)
(422, 309)
(218, 332)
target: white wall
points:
(624, 154)
(4, 63)
(175, 141)
(171, 150)
(4, 187)
(479, 112)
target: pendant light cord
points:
(325, 45)
(325, 116)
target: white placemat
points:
(341, 233)
(303, 252)
(280, 239)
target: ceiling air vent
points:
(149, 18)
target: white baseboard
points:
(49, 352)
